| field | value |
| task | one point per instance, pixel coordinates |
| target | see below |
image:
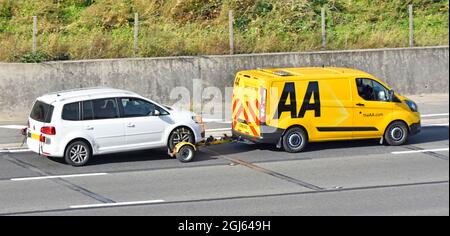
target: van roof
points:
(79, 94)
(303, 73)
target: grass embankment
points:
(85, 29)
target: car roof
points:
(304, 73)
(80, 94)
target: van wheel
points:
(295, 140)
(396, 133)
(180, 134)
(77, 153)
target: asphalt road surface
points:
(334, 178)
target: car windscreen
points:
(42, 112)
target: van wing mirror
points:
(157, 113)
(391, 95)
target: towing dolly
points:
(185, 151)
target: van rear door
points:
(246, 105)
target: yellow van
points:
(290, 107)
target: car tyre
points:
(294, 140)
(396, 133)
(181, 134)
(77, 153)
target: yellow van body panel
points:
(324, 101)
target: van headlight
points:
(412, 105)
(197, 119)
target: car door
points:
(371, 109)
(144, 126)
(102, 123)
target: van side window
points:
(371, 90)
(88, 110)
(71, 111)
(105, 108)
(133, 107)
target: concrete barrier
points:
(419, 70)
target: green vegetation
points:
(84, 29)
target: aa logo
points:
(289, 91)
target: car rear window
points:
(42, 112)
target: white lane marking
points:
(433, 115)
(116, 204)
(419, 151)
(434, 125)
(19, 150)
(12, 126)
(57, 176)
(221, 129)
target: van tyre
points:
(396, 133)
(295, 140)
(77, 153)
(181, 134)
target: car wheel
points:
(396, 133)
(186, 153)
(295, 140)
(181, 134)
(77, 153)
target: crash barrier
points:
(203, 83)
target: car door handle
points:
(89, 128)
(360, 104)
(130, 125)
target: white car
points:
(77, 124)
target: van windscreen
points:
(42, 112)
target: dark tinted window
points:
(133, 107)
(71, 111)
(42, 112)
(371, 90)
(105, 108)
(88, 110)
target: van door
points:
(143, 127)
(371, 108)
(246, 106)
(102, 123)
(336, 116)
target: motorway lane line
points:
(221, 129)
(435, 125)
(433, 115)
(15, 151)
(419, 151)
(13, 126)
(57, 176)
(116, 204)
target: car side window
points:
(134, 107)
(371, 90)
(105, 108)
(88, 110)
(71, 111)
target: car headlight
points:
(412, 105)
(197, 119)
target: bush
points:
(36, 57)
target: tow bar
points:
(185, 151)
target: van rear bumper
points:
(269, 135)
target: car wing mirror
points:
(157, 113)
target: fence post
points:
(34, 33)
(136, 34)
(230, 26)
(324, 33)
(411, 25)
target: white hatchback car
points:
(77, 124)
